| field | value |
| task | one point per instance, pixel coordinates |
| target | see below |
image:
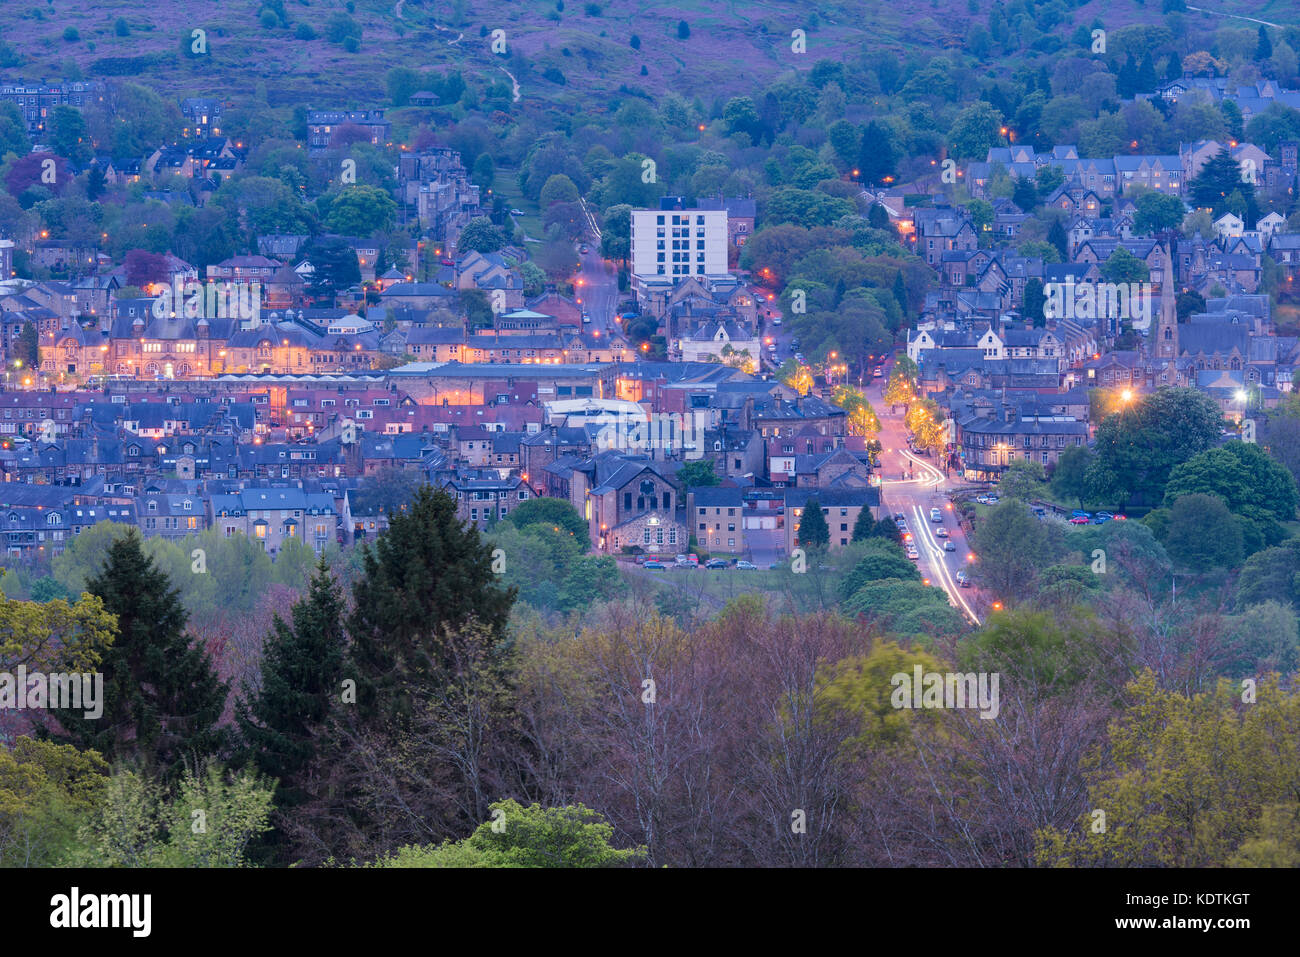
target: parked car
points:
(1080, 513)
(1100, 519)
(747, 566)
(1078, 520)
(993, 499)
(715, 563)
(950, 546)
(941, 532)
(776, 320)
(1121, 518)
(654, 564)
(584, 250)
(982, 499)
(516, 212)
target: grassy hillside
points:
(733, 46)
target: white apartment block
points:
(671, 244)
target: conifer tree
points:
(426, 575)
(302, 671)
(813, 530)
(161, 697)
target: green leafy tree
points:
(480, 235)
(47, 793)
(1182, 781)
(975, 131)
(698, 474)
(531, 836)
(556, 513)
(1137, 447)
(1011, 548)
(360, 210)
(1023, 479)
(334, 268)
(1158, 212)
(1070, 476)
(1203, 535)
(1250, 483)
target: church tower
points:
(1166, 341)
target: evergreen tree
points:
(428, 573)
(900, 292)
(28, 348)
(1146, 75)
(1264, 49)
(876, 157)
(1127, 80)
(813, 530)
(1174, 71)
(302, 670)
(162, 699)
(1056, 236)
(865, 527)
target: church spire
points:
(1167, 330)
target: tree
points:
(1181, 780)
(683, 30)
(68, 135)
(162, 699)
(1033, 302)
(1056, 236)
(1123, 267)
(47, 792)
(1203, 534)
(1011, 547)
(1158, 212)
(301, 676)
(140, 824)
(812, 528)
(531, 836)
(1263, 49)
(1023, 479)
(975, 131)
(1138, 446)
(334, 267)
(360, 210)
(480, 235)
(555, 513)
(428, 573)
(697, 474)
(616, 236)
(877, 156)
(28, 349)
(1250, 484)
(1219, 178)
(1070, 476)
